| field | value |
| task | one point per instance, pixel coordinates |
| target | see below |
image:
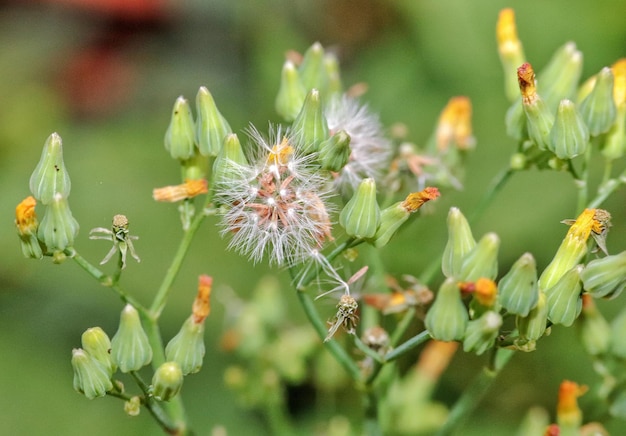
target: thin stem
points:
(367, 350)
(582, 181)
(606, 189)
(154, 407)
(415, 341)
(494, 187)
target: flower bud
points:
(482, 332)
(563, 299)
(96, 342)
(211, 126)
(538, 117)
(132, 407)
(559, 79)
(180, 136)
(598, 108)
(91, 378)
(482, 261)
(569, 136)
(50, 176)
(334, 87)
(230, 156)
(174, 193)
(618, 335)
(447, 318)
(291, 92)
(335, 152)
(187, 347)
(58, 227)
(130, 347)
(460, 243)
(510, 50)
(312, 68)
(533, 326)
(310, 127)
(605, 277)
(27, 225)
(167, 381)
(595, 332)
(361, 215)
(568, 415)
(518, 290)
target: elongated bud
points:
(510, 50)
(568, 414)
(618, 335)
(482, 332)
(595, 331)
(460, 243)
(569, 136)
(518, 290)
(559, 79)
(310, 127)
(291, 92)
(96, 342)
(564, 299)
(174, 193)
(605, 277)
(361, 215)
(130, 347)
(58, 228)
(454, 127)
(50, 176)
(312, 68)
(27, 226)
(598, 109)
(231, 156)
(538, 117)
(533, 326)
(187, 347)
(335, 152)
(91, 378)
(334, 87)
(394, 216)
(180, 136)
(447, 318)
(482, 261)
(211, 126)
(167, 381)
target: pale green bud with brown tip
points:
(167, 381)
(360, 217)
(96, 342)
(595, 331)
(460, 243)
(569, 136)
(533, 326)
(180, 137)
(559, 79)
(58, 228)
(310, 127)
(312, 71)
(447, 318)
(335, 152)
(211, 126)
(598, 109)
(291, 92)
(605, 277)
(91, 378)
(130, 347)
(564, 299)
(50, 176)
(481, 333)
(482, 261)
(539, 118)
(518, 291)
(187, 347)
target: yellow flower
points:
(567, 411)
(174, 193)
(202, 304)
(455, 125)
(25, 216)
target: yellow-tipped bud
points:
(27, 225)
(568, 414)
(538, 117)
(511, 51)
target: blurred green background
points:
(105, 76)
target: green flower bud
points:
(291, 93)
(598, 108)
(460, 243)
(615, 142)
(132, 407)
(91, 378)
(481, 333)
(310, 127)
(27, 225)
(180, 136)
(187, 347)
(335, 152)
(605, 277)
(515, 121)
(618, 335)
(361, 215)
(211, 126)
(559, 79)
(96, 342)
(518, 161)
(130, 347)
(482, 261)
(167, 381)
(564, 299)
(539, 118)
(517, 290)
(50, 176)
(595, 332)
(533, 326)
(58, 227)
(447, 318)
(231, 154)
(569, 136)
(312, 68)
(333, 76)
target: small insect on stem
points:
(121, 238)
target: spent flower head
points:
(121, 238)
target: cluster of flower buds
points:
(50, 185)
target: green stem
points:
(367, 350)
(582, 180)
(494, 187)
(310, 274)
(154, 407)
(474, 393)
(606, 189)
(415, 341)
